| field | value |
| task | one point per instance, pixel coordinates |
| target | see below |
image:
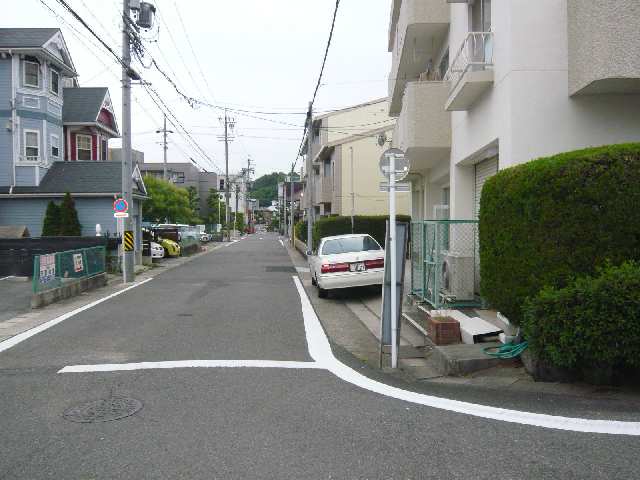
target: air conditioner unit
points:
(458, 276)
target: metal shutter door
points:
(485, 169)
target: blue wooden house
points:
(54, 136)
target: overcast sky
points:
(258, 55)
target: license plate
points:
(356, 267)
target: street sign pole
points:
(392, 247)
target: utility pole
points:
(128, 274)
(235, 215)
(285, 224)
(353, 194)
(292, 207)
(311, 210)
(165, 147)
(226, 162)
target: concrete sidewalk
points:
(351, 320)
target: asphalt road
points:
(240, 303)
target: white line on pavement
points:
(5, 278)
(281, 243)
(320, 351)
(117, 367)
(21, 337)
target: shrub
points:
(69, 223)
(51, 223)
(374, 225)
(300, 231)
(594, 322)
(548, 221)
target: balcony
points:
(417, 33)
(603, 41)
(326, 192)
(423, 129)
(471, 71)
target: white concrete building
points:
(482, 85)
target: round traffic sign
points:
(120, 205)
(401, 163)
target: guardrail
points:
(475, 53)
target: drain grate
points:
(280, 268)
(103, 410)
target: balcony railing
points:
(475, 53)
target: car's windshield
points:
(349, 245)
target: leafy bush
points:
(548, 221)
(69, 224)
(593, 322)
(374, 225)
(300, 230)
(51, 224)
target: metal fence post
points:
(437, 268)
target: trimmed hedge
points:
(593, 323)
(374, 225)
(548, 221)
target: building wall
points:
(528, 112)
(376, 114)
(369, 200)
(91, 211)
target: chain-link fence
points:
(445, 264)
(53, 270)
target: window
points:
(55, 82)
(178, 177)
(222, 184)
(103, 149)
(83, 147)
(327, 168)
(31, 74)
(55, 146)
(32, 145)
(349, 245)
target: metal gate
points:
(444, 263)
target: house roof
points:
(14, 231)
(25, 37)
(80, 177)
(82, 104)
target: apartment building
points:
(479, 86)
(345, 153)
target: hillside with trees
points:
(265, 188)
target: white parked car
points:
(157, 251)
(205, 237)
(346, 261)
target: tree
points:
(194, 199)
(167, 202)
(214, 203)
(239, 219)
(265, 188)
(51, 224)
(69, 223)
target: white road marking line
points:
(320, 351)
(21, 337)
(5, 278)
(118, 367)
(281, 243)
(302, 269)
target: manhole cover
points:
(103, 410)
(277, 268)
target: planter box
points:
(443, 330)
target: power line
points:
(146, 85)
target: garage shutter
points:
(485, 169)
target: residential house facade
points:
(345, 153)
(479, 86)
(54, 137)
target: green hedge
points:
(374, 225)
(593, 323)
(548, 221)
(300, 230)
